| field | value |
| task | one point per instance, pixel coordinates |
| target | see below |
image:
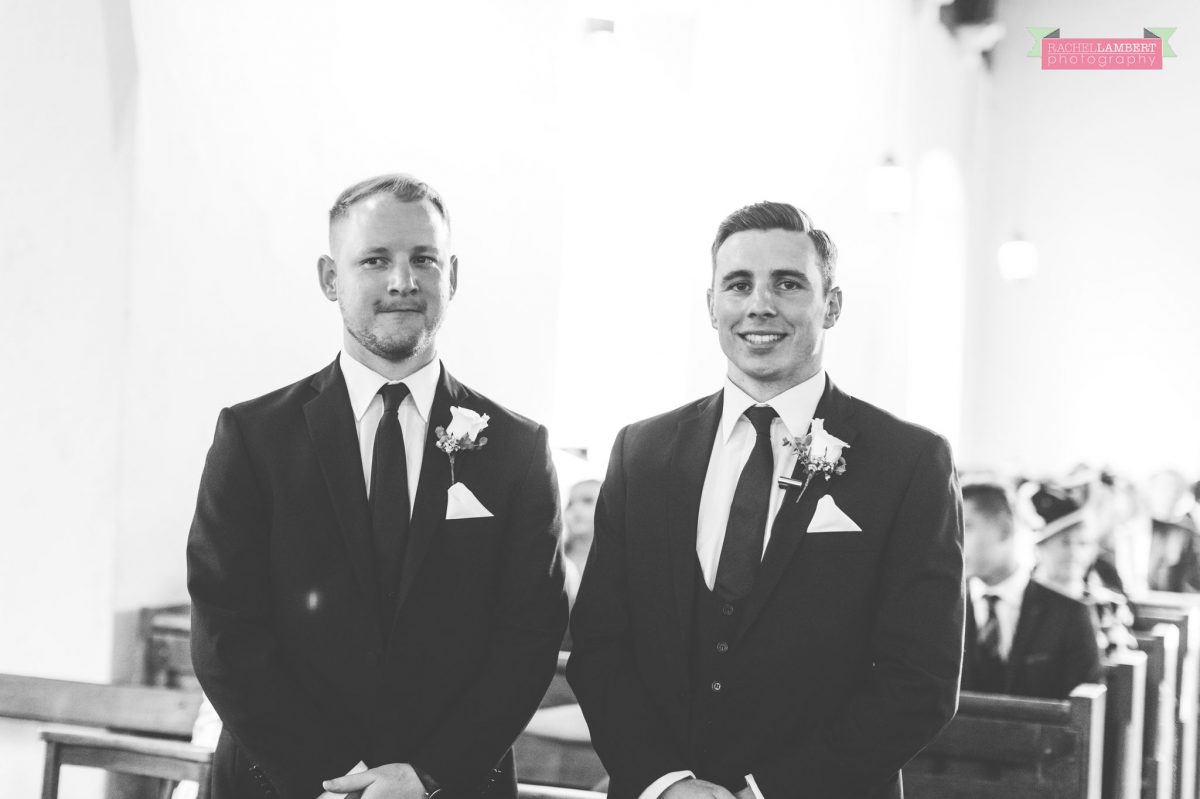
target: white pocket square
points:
(462, 504)
(829, 518)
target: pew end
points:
(998, 747)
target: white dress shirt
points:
(363, 384)
(731, 449)
(1010, 591)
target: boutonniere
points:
(819, 452)
(462, 434)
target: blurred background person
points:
(1174, 558)
(1022, 637)
(1067, 557)
(579, 527)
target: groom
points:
(362, 599)
(741, 634)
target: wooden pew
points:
(1182, 611)
(131, 708)
(1161, 646)
(1124, 733)
(998, 747)
(162, 719)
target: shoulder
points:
(665, 425)
(1055, 601)
(898, 433)
(501, 420)
(282, 401)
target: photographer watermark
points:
(1059, 53)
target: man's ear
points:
(327, 275)
(453, 275)
(712, 317)
(833, 306)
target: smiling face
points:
(770, 309)
(392, 276)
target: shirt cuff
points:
(753, 786)
(660, 785)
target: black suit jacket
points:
(286, 635)
(851, 652)
(1054, 647)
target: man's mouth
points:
(762, 339)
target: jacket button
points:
(722, 647)
(727, 609)
(716, 686)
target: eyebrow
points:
(746, 274)
(420, 248)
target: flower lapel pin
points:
(462, 434)
(819, 452)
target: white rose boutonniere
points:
(818, 452)
(462, 434)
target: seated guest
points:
(1174, 550)
(1067, 558)
(1022, 638)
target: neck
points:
(767, 390)
(392, 370)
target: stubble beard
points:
(397, 348)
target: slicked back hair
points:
(993, 501)
(780, 216)
(405, 188)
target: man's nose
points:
(762, 302)
(401, 280)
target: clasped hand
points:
(393, 781)
(693, 788)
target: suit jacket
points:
(287, 637)
(1054, 647)
(851, 650)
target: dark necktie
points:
(741, 553)
(989, 665)
(389, 498)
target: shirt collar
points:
(363, 384)
(795, 407)
(1011, 589)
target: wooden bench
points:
(1183, 612)
(999, 747)
(162, 717)
(1161, 645)
(1124, 730)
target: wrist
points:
(432, 786)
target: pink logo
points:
(1059, 53)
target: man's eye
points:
(740, 285)
(790, 285)
(373, 262)
(424, 260)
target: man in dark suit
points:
(736, 633)
(1022, 637)
(374, 563)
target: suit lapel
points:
(429, 510)
(331, 426)
(1027, 624)
(689, 463)
(791, 523)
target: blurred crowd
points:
(1054, 568)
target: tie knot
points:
(992, 599)
(393, 394)
(761, 417)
